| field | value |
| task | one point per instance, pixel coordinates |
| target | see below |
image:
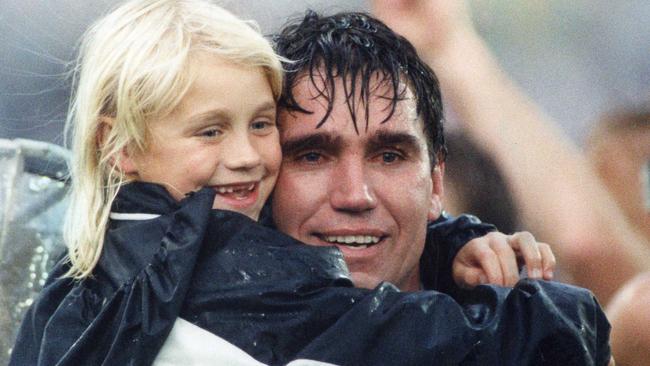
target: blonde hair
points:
(134, 66)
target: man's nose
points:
(350, 188)
(241, 153)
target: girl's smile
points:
(222, 135)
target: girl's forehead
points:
(213, 79)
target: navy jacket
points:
(278, 300)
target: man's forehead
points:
(301, 132)
(317, 84)
(317, 95)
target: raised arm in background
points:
(560, 198)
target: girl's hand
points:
(495, 259)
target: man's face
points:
(369, 193)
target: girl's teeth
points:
(223, 190)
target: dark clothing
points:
(278, 300)
(445, 237)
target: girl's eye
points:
(261, 125)
(212, 132)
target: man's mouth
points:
(352, 241)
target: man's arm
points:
(559, 196)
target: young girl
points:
(178, 93)
(174, 116)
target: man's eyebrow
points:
(387, 138)
(320, 141)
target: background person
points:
(556, 191)
(474, 183)
(619, 150)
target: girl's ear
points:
(124, 161)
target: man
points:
(361, 130)
(362, 138)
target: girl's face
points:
(222, 135)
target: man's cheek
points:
(288, 205)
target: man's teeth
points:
(235, 189)
(356, 240)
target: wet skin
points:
(369, 193)
(222, 135)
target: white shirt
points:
(188, 344)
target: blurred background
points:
(576, 59)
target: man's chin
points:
(364, 280)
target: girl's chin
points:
(252, 212)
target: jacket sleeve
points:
(445, 238)
(104, 321)
(30, 333)
(280, 300)
(534, 323)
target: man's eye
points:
(390, 157)
(310, 157)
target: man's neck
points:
(412, 283)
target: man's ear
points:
(435, 210)
(124, 159)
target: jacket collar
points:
(144, 198)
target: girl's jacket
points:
(280, 300)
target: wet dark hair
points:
(356, 47)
